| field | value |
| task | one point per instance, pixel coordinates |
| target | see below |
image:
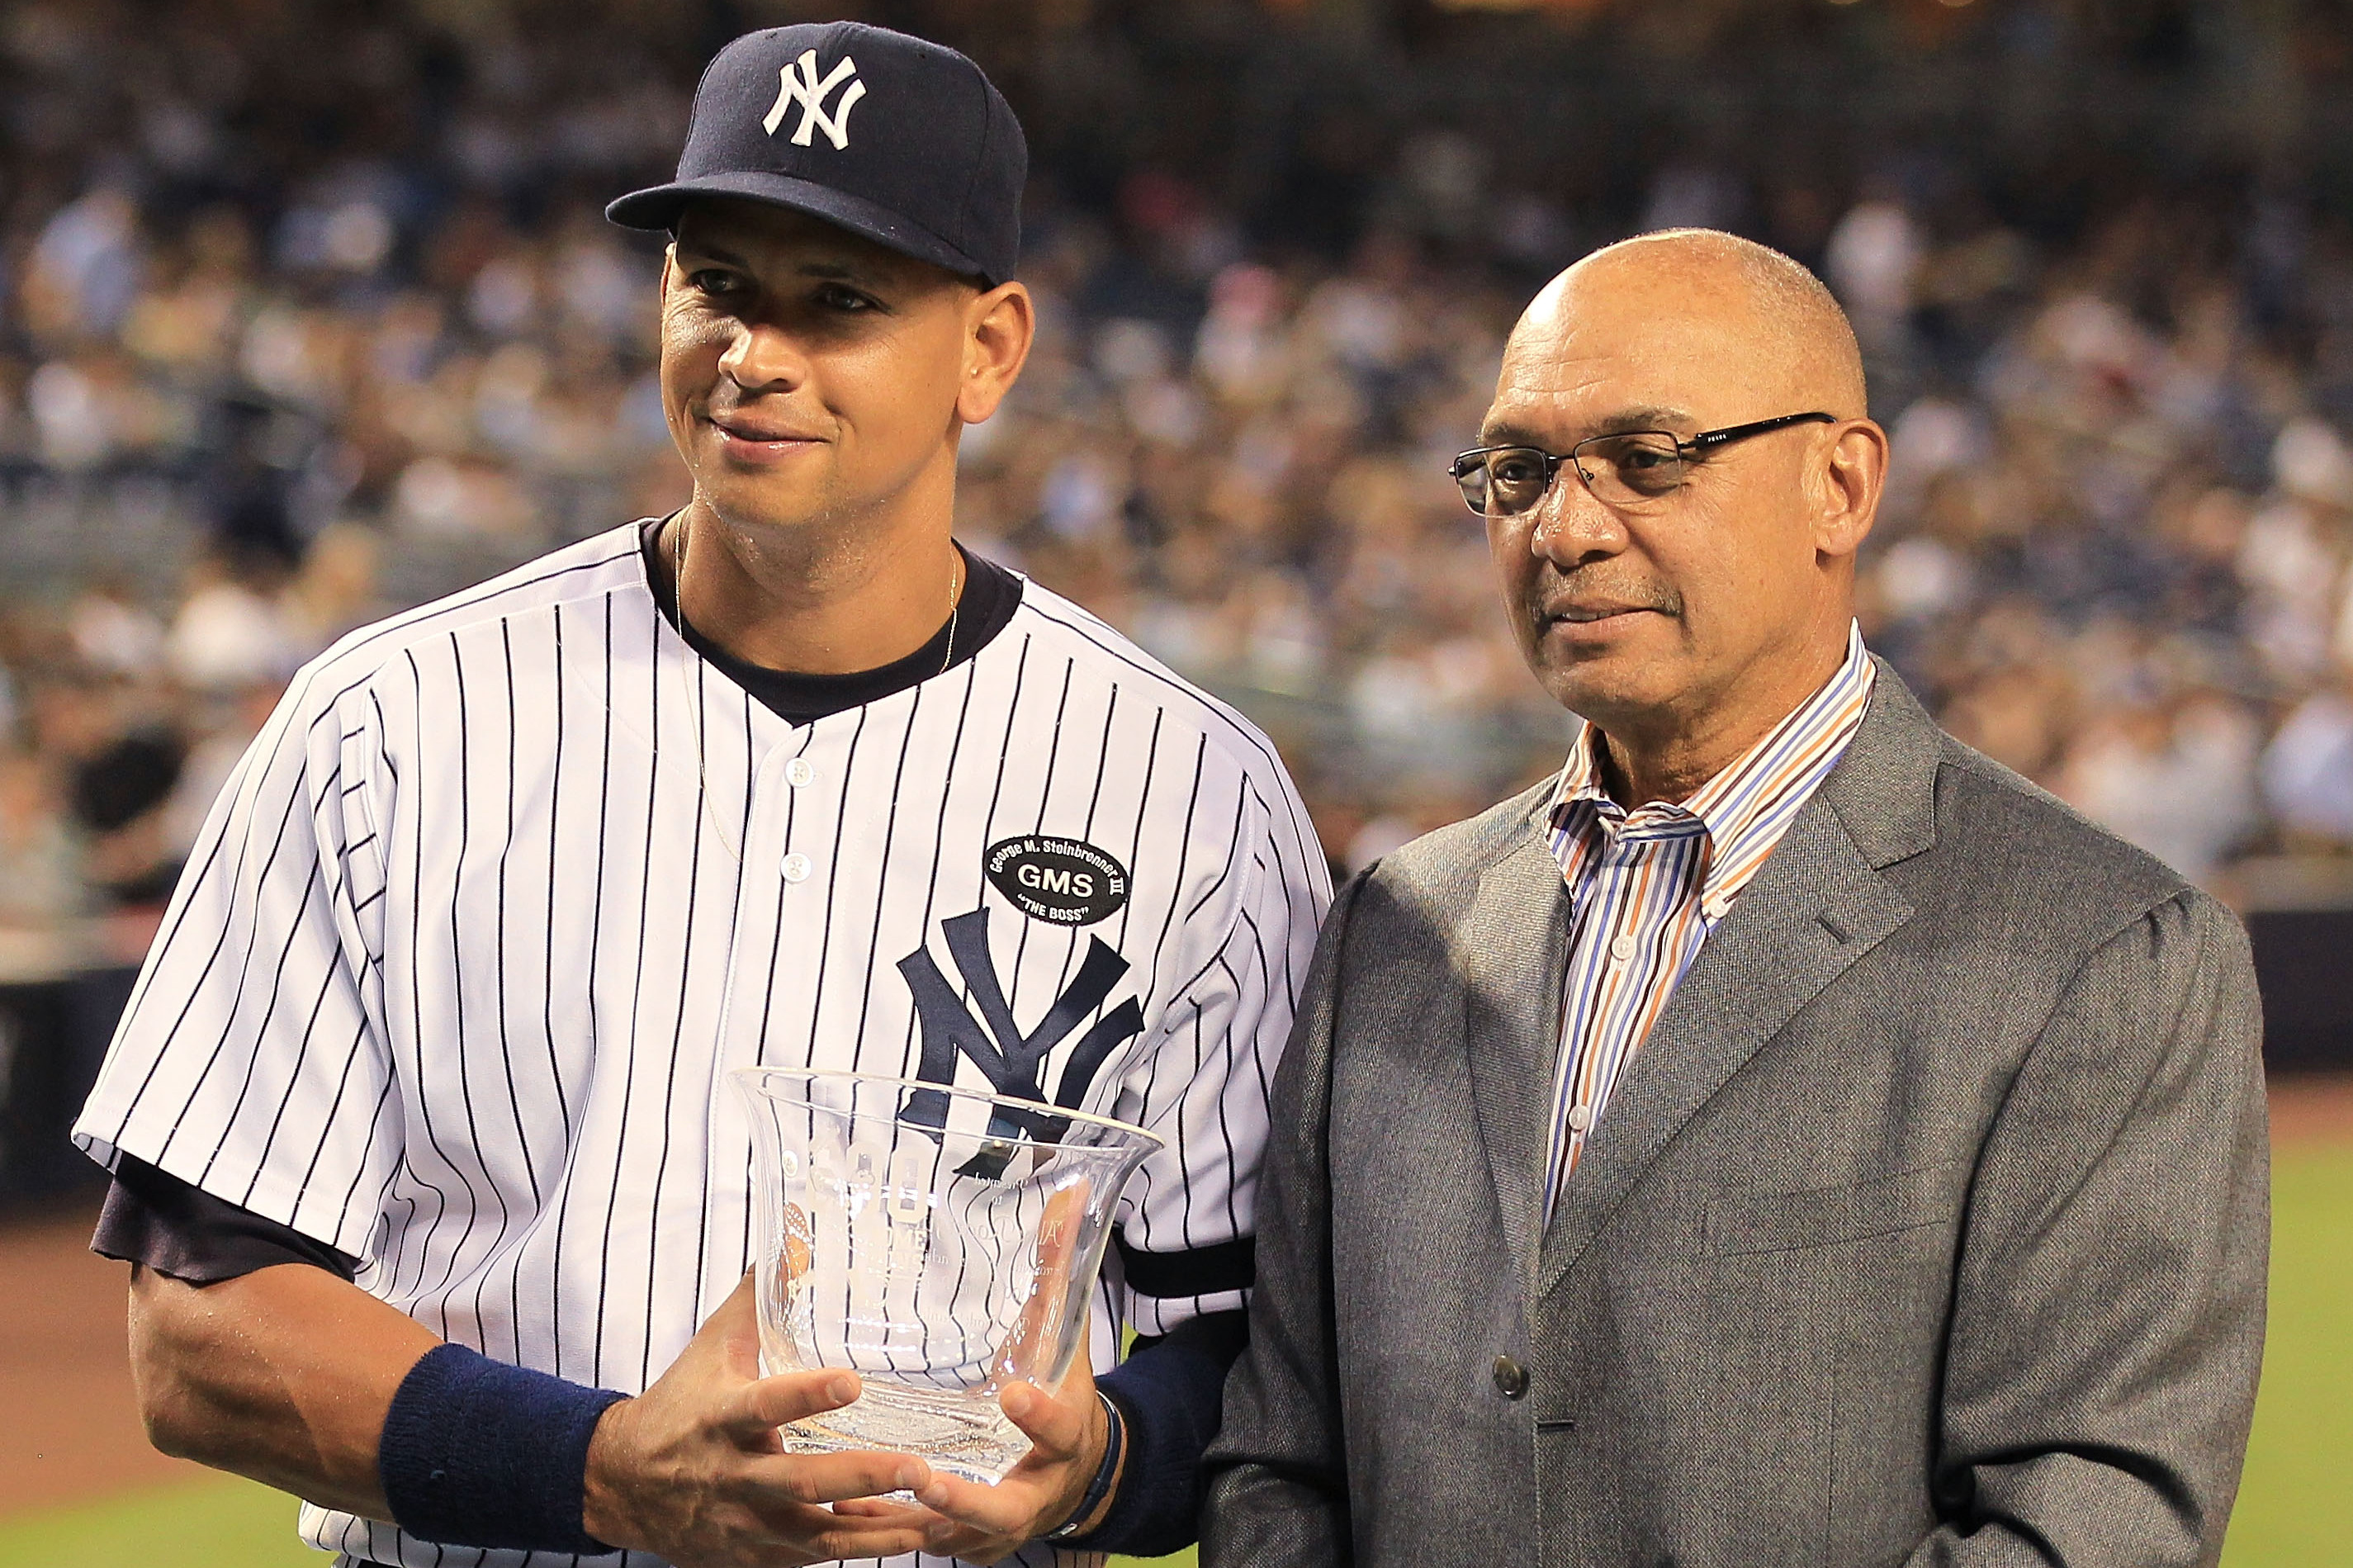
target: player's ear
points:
(999, 324)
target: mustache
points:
(1555, 592)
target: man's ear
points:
(1852, 471)
(999, 325)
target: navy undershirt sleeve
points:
(1170, 1394)
(154, 1219)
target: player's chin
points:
(765, 499)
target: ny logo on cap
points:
(801, 85)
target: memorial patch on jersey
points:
(1065, 882)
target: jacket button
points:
(1511, 1378)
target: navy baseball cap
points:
(898, 139)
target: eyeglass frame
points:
(1699, 447)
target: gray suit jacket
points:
(1928, 1226)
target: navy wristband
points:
(478, 1453)
(1115, 1436)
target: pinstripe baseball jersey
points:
(1647, 887)
(510, 882)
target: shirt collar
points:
(1743, 809)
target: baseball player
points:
(439, 1209)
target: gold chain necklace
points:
(956, 602)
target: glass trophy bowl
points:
(938, 1242)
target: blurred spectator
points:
(231, 629)
(2179, 783)
(2308, 771)
(40, 871)
(120, 797)
(309, 316)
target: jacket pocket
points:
(1786, 1222)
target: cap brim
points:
(658, 206)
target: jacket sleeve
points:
(1278, 1490)
(2109, 1318)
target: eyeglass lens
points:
(1625, 469)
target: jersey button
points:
(798, 772)
(796, 868)
(1511, 1378)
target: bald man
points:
(1784, 1136)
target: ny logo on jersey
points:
(801, 85)
(994, 1043)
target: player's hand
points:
(693, 1470)
(1067, 1431)
(975, 1523)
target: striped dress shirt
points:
(1646, 887)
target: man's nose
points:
(1571, 526)
(763, 357)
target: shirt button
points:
(1621, 950)
(1511, 1378)
(797, 867)
(798, 772)
(1579, 1117)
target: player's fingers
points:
(813, 1535)
(810, 1478)
(1058, 1227)
(1056, 1429)
(760, 1407)
(883, 1510)
(1078, 1384)
(730, 1335)
(741, 1301)
(1001, 1510)
(969, 1502)
(968, 1544)
(1041, 1316)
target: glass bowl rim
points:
(1153, 1140)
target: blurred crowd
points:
(309, 313)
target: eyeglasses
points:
(1627, 468)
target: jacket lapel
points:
(1513, 964)
(1819, 904)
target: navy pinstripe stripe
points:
(448, 980)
